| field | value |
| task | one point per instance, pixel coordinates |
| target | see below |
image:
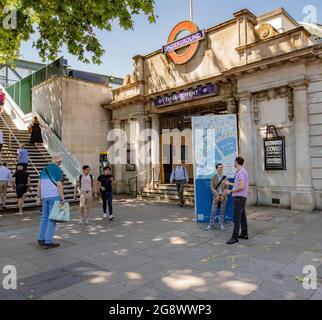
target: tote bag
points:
(60, 212)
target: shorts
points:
(21, 189)
(85, 199)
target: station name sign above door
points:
(182, 50)
(186, 95)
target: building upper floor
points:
(225, 50)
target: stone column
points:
(231, 105)
(246, 143)
(155, 147)
(302, 197)
(117, 168)
(138, 141)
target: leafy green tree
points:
(64, 22)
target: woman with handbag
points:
(50, 190)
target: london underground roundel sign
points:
(187, 46)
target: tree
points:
(64, 22)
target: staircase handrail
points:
(71, 165)
(141, 174)
(16, 111)
(19, 143)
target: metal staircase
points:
(39, 158)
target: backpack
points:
(80, 180)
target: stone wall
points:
(85, 122)
(47, 101)
(72, 107)
(315, 121)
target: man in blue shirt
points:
(181, 177)
(23, 156)
(50, 189)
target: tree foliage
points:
(65, 22)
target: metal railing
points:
(11, 134)
(20, 120)
(70, 165)
(151, 179)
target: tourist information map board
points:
(214, 141)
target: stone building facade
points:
(72, 109)
(268, 70)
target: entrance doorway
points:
(181, 149)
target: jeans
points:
(214, 207)
(107, 197)
(47, 227)
(180, 187)
(240, 219)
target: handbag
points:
(60, 212)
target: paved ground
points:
(154, 251)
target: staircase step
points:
(39, 158)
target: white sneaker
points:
(86, 221)
(111, 217)
(81, 221)
(208, 228)
(222, 227)
(20, 213)
(105, 215)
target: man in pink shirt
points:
(239, 193)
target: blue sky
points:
(122, 45)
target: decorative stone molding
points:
(265, 31)
(231, 105)
(259, 97)
(283, 92)
(286, 92)
(116, 124)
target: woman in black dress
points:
(35, 132)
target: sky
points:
(122, 45)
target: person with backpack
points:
(85, 185)
(2, 100)
(105, 182)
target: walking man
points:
(105, 182)
(22, 184)
(85, 185)
(50, 189)
(23, 156)
(5, 179)
(218, 188)
(239, 193)
(180, 176)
